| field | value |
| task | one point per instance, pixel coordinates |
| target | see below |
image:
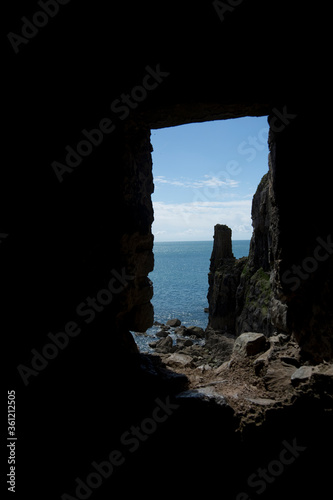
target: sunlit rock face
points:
(240, 292)
(285, 285)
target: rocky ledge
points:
(253, 374)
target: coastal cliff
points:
(240, 291)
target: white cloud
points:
(196, 220)
(210, 181)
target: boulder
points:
(278, 376)
(184, 342)
(323, 379)
(302, 374)
(249, 344)
(181, 330)
(262, 361)
(196, 331)
(219, 346)
(178, 360)
(164, 345)
(174, 322)
(322, 375)
(162, 333)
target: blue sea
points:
(180, 280)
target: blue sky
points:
(206, 174)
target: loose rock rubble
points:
(252, 373)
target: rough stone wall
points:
(136, 243)
(302, 233)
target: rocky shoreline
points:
(250, 357)
(203, 346)
(251, 373)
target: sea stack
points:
(223, 279)
(222, 248)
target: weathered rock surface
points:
(253, 301)
(162, 333)
(206, 395)
(219, 345)
(255, 294)
(196, 331)
(222, 294)
(164, 345)
(249, 381)
(178, 360)
(249, 344)
(216, 348)
(222, 248)
(302, 374)
(184, 342)
(311, 374)
(240, 293)
(223, 281)
(174, 322)
(278, 376)
(252, 374)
